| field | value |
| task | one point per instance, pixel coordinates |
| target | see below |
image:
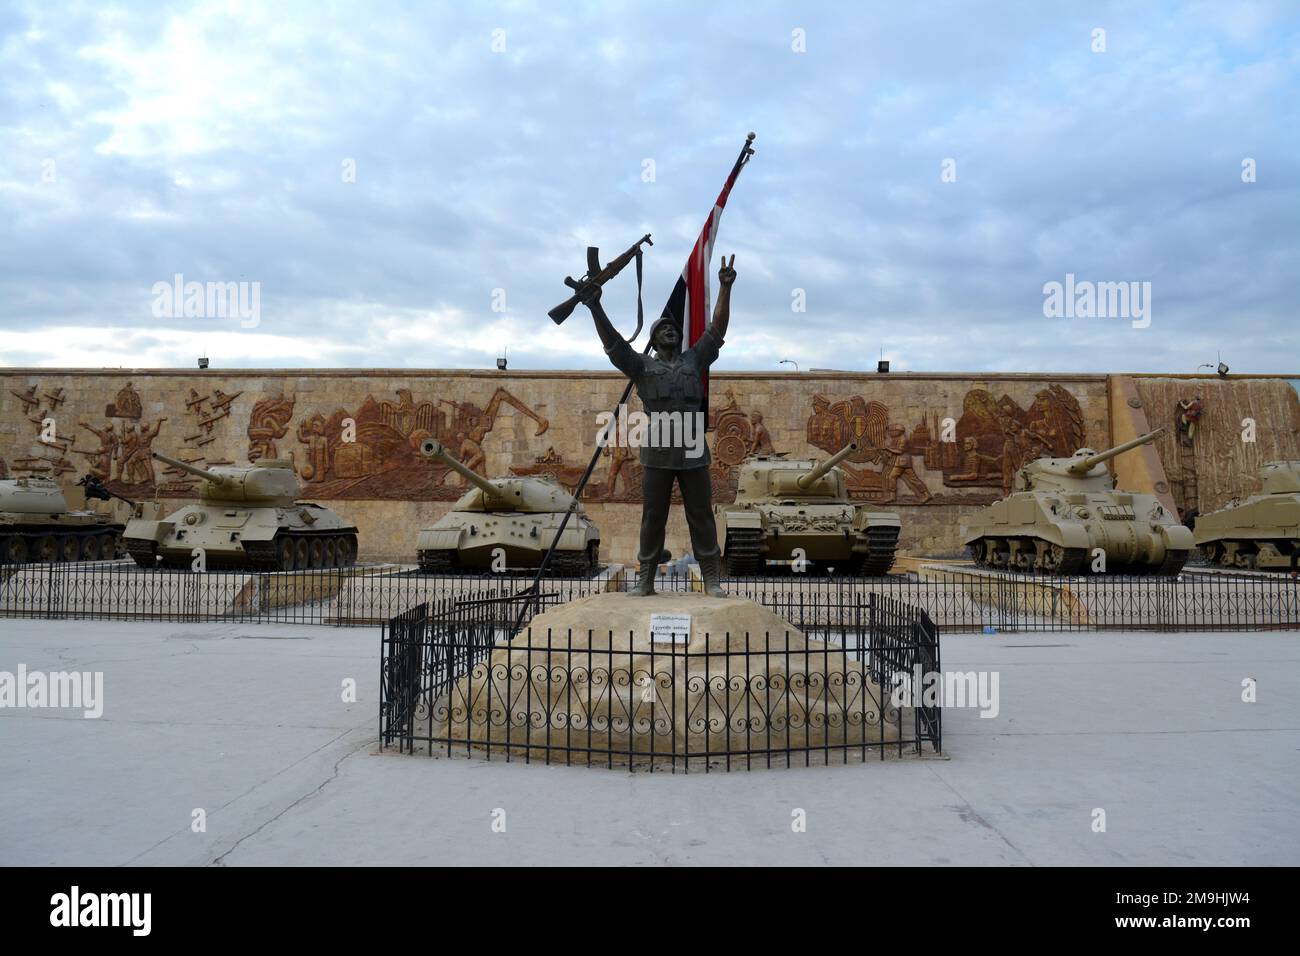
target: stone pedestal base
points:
(594, 681)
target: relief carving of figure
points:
(897, 459)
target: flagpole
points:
(531, 591)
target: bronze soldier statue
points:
(670, 381)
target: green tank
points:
(37, 524)
(248, 518)
(783, 505)
(1064, 508)
(1261, 532)
(514, 517)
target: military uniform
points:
(674, 385)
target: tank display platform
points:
(1197, 599)
(121, 589)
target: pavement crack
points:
(334, 773)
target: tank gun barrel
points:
(1085, 465)
(433, 449)
(806, 481)
(194, 470)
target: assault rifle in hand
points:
(595, 276)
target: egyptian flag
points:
(689, 304)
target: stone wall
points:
(1238, 425)
(352, 435)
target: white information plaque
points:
(670, 628)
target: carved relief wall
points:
(1207, 450)
(353, 435)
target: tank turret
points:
(504, 523)
(434, 449)
(806, 481)
(1066, 517)
(1280, 477)
(270, 481)
(1082, 471)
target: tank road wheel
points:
(1026, 559)
(47, 549)
(17, 550)
(979, 552)
(743, 555)
(1064, 561)
(286, 554)
(69, 547)
(330, 552)
(348, 549)
(593, 556)
(89, 548)
(301, 555)
(1212, 552)
(316, 552)
(999, 555)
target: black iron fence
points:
(457, 679)
(361, 596)
(957, 599)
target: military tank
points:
(37, 524)
(517, 515)
(248, 518)
(783, 505)
(1064, 508)
(1261, 532)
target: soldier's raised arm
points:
(706, 348)
(621, 355)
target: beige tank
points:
(1261, 532)
(790, 509)
(505, 523)
(37, 523)
(248, 517)
(1064, 509)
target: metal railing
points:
(955, 598)
(455, 681)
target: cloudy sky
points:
(408, 183)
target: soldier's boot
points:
(645, 579)
(709, 570)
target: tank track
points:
(570, 564)
(1173, 563)
(882, 544)
(744, 554)
(438, 562)
(1073, 562)
(32, 538)
(142, 552)
(264, 556)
